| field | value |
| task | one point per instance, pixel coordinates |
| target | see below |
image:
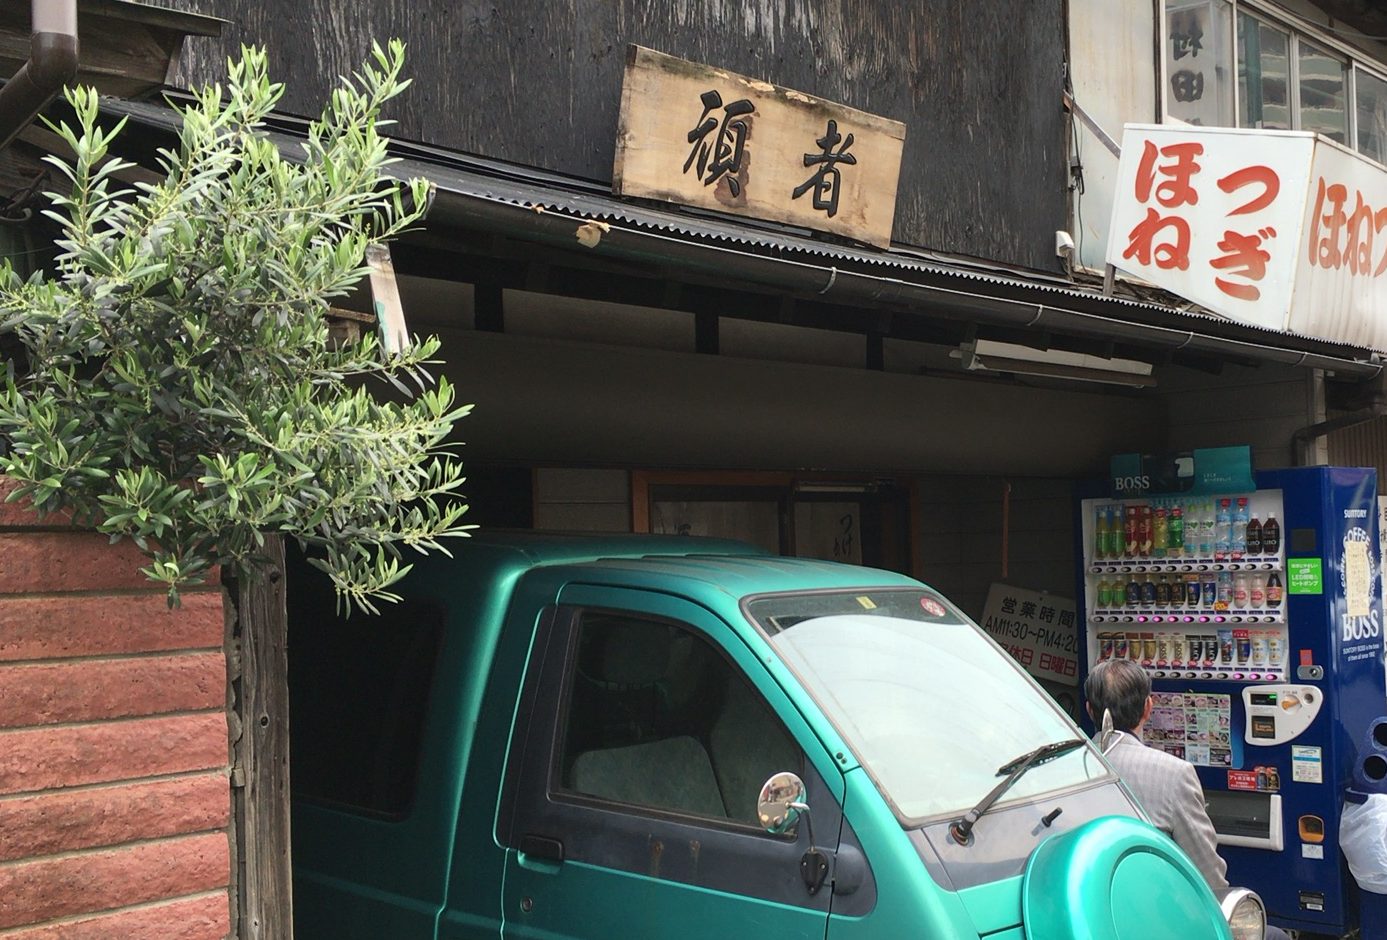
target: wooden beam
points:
(50, 142)
(260, 772)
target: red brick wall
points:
(114, 794)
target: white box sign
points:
(1037, 629)
(1282, 229)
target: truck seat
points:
(673, 773)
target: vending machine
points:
(1258, 615)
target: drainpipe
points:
(1302, 438)
(52, 64)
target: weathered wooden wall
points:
(538, 82)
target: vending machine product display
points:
(1258, 617)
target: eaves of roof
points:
(477, 192)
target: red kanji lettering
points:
(1379, 222)
(1263, 176)
(1244, 254)
(1176, 189)
(1141, 241)
(1324, 251)
(1362, 227)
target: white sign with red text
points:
(1037, 629)
(1341, 274)
(1282, 229)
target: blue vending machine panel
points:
(1266, 659)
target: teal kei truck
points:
(643, 737)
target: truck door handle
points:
(541, 847)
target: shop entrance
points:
(855, 520)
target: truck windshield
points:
(928, 703)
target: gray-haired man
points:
(1166, 786)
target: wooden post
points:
(261, 770)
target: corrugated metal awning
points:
(479, 193)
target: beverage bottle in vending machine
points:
(1102, 594)
(1206, 530)
(1160, 532)
(1274, 589)
(1271, 535)
(1240, 591)
(1148, 593)
(1162, 592)
(1133, 595)
(1100, 532)
(1256, 591)
(1225, 591)
(1191, 590)
(1208, 591)
(1238, 534)
(1144, 527)
(1113, 548)
(1129, 530)
(1191, 517)
(1254, 536)
(1176, 543)
(1223, 529)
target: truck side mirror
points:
(779, 808)
(781, 802)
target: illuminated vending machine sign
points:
(1282, 229)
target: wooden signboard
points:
(701, 136)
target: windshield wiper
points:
(1015, 769)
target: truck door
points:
(632, 784)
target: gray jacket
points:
(1168, 789)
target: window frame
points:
(555, 785)
(1355, 67)
(616, 837)
(1296, 31)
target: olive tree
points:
(172, 379)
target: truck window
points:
(358, 695)
(657, 717)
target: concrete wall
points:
(1261, 407)
(560, 403)
(114, 793)
(965, 546)
(583, 500)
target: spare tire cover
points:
(1117, 878)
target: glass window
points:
(658, 717)
(1323, 93)
(1264, 75)
(1371, 110)
(930, 706)
(1198, 66)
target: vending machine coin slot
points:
(1279, 713)
(1311, 829)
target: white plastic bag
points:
(1363, 838)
